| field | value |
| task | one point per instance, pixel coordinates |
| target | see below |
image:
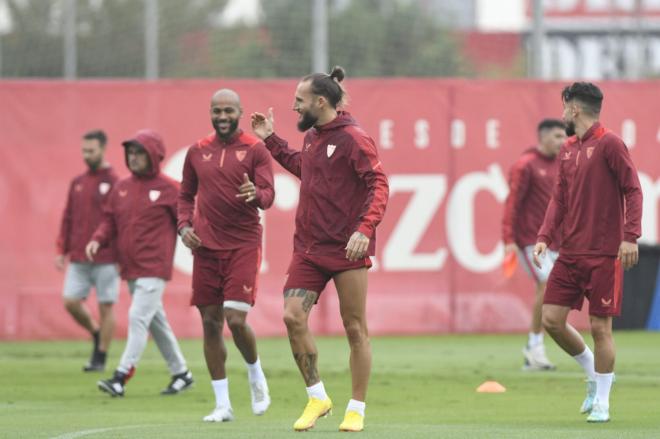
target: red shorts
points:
(599, 279)
(312, 272)
(228, 275)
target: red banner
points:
(446, 146)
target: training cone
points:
(509, 264)
(491, 387)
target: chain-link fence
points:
(594, 39)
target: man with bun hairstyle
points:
(343, 195)
(140, 216)
(597, 205)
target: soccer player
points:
(231, 175)
(531, 180)
(141, 216)
(82, 214)
(597, 202)
(343, 195)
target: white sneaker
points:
(220, 414)
(588, 402)
(536, 359)
(260, 397)
(599, 413)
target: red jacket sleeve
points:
(518, 187)
(369, 168)
(554, 214)
(62, 243)
(263, 178)
(290, 159)
(173, 201)
(618, 159)
(186, 199)
(107, 229)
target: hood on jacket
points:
(343, 118)
(153, 144)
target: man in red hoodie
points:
(141, 215)
(597, 203)
(531, 180)
(82, 214)
(343, 195)
(227, 177)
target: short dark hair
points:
(547, 124)
(329, 86)
(586, 93)
(97, 135)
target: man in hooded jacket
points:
(141, 217)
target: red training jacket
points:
(213, 171)
(343, 187)
(141, 214)
(83, 213)
(597, 199)
(531, 180)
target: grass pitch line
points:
(83, 433)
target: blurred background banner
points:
(445, 144)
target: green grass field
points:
(422, 387)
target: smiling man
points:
(141, 215)
(343, 195)
(227, 177)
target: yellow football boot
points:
(353, 421)
(315, 409)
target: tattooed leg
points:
(298, 303)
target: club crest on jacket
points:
(153, 195)
(104, 187)
(331, 150)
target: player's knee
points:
(72, 304)
(136, 316)
(551, 323)
(294, 320)
(600, 328)
(235, 322)
(356, 331)
(211, 326)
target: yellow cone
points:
(491, 387)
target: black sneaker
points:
(179, 383)
(115, 385)
(96, 363)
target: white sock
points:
(586, 360)
(255, 373)
(356, 406)
(221, 390)
(534, 339)
(603, 386)
(317, 391)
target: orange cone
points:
(491, 387)
(509, 264)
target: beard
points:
(570, 128)
(93, 164)
(307, 121)
(233, 126)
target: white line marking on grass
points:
(76, 434)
